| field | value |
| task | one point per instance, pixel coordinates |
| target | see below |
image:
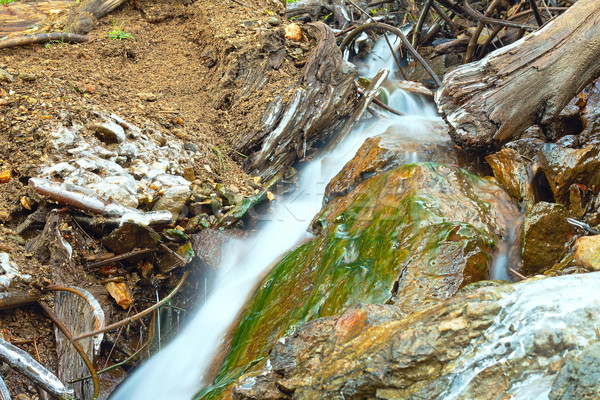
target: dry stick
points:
(384, 106)
(517, 274)
(77, 346)
(497, 29)
(173, 253)
(387, 40)
(120, 257)
(478, 30)
(43, 38)
(445, 17)
(493, 21)
(420, 22)
(125, 361)
(397, 32)
(138, 315)
(17, 299)
(525, 12)
(536, 12)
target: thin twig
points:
(138, 315)
(59, 324)
(383, 105)
(517, 274)
(173, 253)
(420, 22)
(397, 32)
(88, 297)
(445, 17)
(120, 257)
(478, 30)
(536, 12)
(125, 361)
(493, 21)
(387, 40)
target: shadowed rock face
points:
(412, 236)
(506, 340)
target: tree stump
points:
(318, 104)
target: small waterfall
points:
(176, 372)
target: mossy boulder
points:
(412, 237)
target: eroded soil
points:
(182, 72)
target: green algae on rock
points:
(412, 236)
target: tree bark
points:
(488, 102)
(323, 98)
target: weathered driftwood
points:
(488, 102)
(85, 15)
(317, 106)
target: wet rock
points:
(494, 342)
(564, 167)
(173, 200)
(231, 194)
(579, 377)
(526, 147)
(545, 235)
(591, 117)
(568, 123)
(130, 236)
(449, 219)
(393, 148)
(109, 132)
(587, 252)
(515, 174)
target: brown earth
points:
(178, 73)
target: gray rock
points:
(130, 236)
(579, 377)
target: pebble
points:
(293, 32)
(147, 96)
(273, 21)
(108, 132)
(5, 76)
(5, 176)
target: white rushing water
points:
(176, 372)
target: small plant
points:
(6, 1)
(117, 32)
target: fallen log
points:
(488, 102)
(318, 104)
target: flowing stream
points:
(176, 372)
